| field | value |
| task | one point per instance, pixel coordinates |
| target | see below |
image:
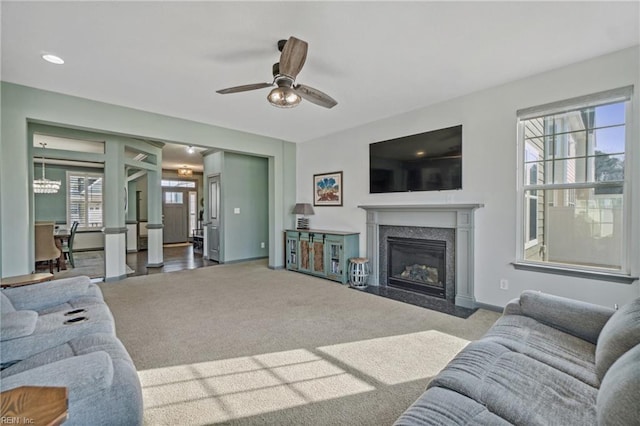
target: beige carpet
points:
(242, 344)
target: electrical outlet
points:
(504, 284)
(262, 244)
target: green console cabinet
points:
(322, 253)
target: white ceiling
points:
(175, 156)
(377, 59)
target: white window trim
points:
(627, 273)
(527, 217)
(86, 174)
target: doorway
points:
(215, 210)
(175, 215)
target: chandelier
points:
(184, 171)
(44, 185)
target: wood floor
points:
(175, 259)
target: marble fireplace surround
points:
(450, 216)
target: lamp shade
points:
(303, 209)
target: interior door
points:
(215, 210)
(175, 215)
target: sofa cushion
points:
(17, 324)
(83, 375)
(439, 406)
(51, 331)
(517, 388)
(546, 344)
(619, 334)
(617, 401)
(5, 304)
(79, 302)
(39, 297)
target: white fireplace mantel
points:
(455, 216)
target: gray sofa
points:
(61, 333)
(547, 361)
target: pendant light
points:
(44, 185)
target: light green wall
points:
(21, 105)
(243, 185)
(53, 207)
(245, 188)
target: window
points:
(572, 193)
(173, 197)
(178, 183)
(84, 199)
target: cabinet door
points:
(318, 258)
(304, 251)
(335, 256)
(292, 252)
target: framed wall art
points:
(327, 189)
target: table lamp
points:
(304, 209)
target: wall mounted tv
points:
(430, 161)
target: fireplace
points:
(451, 222)
(417, 264)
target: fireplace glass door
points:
(417, 265)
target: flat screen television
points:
(430, 161)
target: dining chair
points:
(68, 249)
(45, 245)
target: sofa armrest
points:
(83, 375)
(17, 324)
(51, 293)
(513, 307)
(580, 319)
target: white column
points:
(154, 247)
(154, 214)
(114, 253)
(115, 231)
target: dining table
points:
(61, 237)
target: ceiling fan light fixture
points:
(284, 97)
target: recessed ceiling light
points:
(191, 149)
(53, 59)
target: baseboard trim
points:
(489, 307)
(231, 262)
(155, 265)
(112, 279)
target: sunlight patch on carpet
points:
(399, 359)
(223, 390)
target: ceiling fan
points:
(287, 93)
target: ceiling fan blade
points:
(293, 56)
(315, 96)
(244, 88)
